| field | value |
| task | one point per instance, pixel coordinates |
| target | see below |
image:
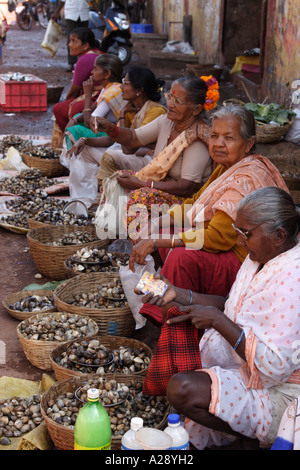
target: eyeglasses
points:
(169, 97)
(245, 233)
(125, 82)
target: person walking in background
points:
(76, 13)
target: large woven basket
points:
(50, 167)
(63, 436)
(112, 342)
(49, 259)
(265, 133)
(38, 352)
(18, 296)
(113, 321)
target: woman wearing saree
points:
(140, 105)
(198, 245)
(250, 347)
(181, 162)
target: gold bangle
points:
(87, 109)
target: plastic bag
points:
(178, 46)
(52, 37)
(129, 281)
(12, 161)
(109, 217)
(293, 134)
(83, 183)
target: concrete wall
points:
(167, 18)
(282, 50)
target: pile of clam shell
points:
(33, 303)
(111, 392)
(57, 326)
(96, 259)
(31, 179)
(94, 357)
(18, 416)
(110, 295)
(74, 238)
(152, 409)
(30, 202)
(55, 215)
(41, 151)
(14, 141)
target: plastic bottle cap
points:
(173, 418)
(136, 423)
(93, 393)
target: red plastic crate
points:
(17, 96)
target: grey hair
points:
(273, 207)
(244, 116)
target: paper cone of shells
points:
(60, 424)
(41, 333)
(50, 246)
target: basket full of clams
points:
(94, 260)
(41, 333)
(100, 355)
(50, 246)
(61, 403)
(45, 158)
(101, 296)
(26, 303)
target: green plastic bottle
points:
(92, 427)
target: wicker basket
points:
(113, 321)
(265, 133)
(71, 273)
(17, 297)
(49, 259)
(38, 352)
(57, 137)
(63, 436)
(112, 342)
(50, 167)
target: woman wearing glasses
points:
(202, 253)
(128, 105)
(181, 163)
(250, 346)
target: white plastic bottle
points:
(179, 435)
(129, 441)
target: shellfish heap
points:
(96, 259)
(94, 357)
(74, 238)
(110, 295)
(18, 416)
(29, 179)
(33, 303)
(57, 326)
(152, 409)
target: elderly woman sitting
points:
(205, 256)
(250, 348)
(181, 162)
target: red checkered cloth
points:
(177, 350)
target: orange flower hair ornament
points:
(212, 94)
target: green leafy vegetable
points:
(270, 112)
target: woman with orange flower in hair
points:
(181, 163)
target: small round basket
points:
(265, 133)
(38, 352)
(49, 259)
(18, 296)
(111, 321)
(50, 167)
(112, 342)
(63, 436)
